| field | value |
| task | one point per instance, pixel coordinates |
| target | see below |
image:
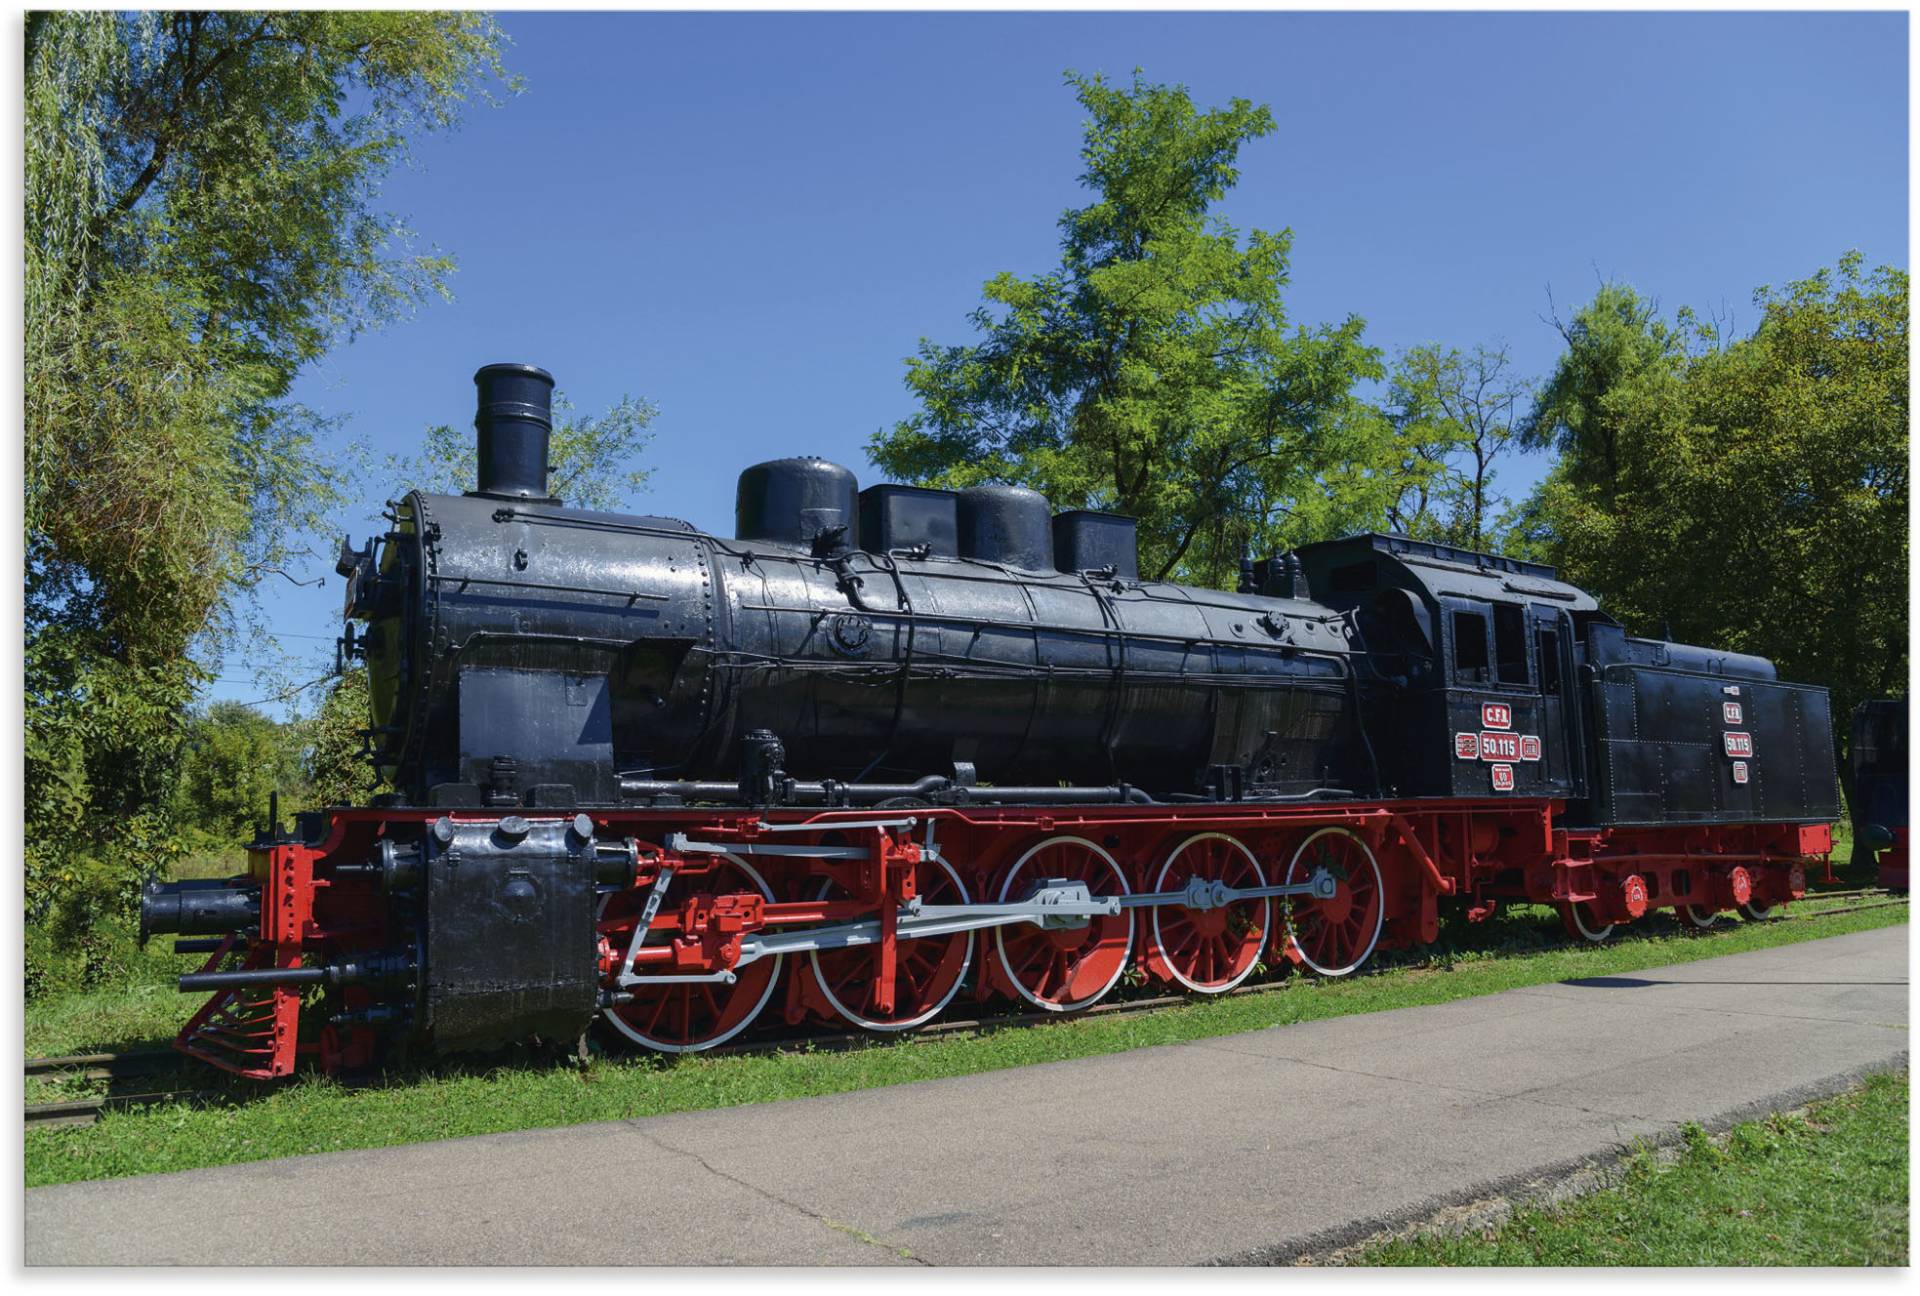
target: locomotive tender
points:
(886, 746)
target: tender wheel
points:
(1067, 968)
(1580, 922)
(686, 1017)
(1210, 950)
(1759, 913)
(926, 974)
(1334, 937)
(1698, 917)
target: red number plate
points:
(1503, 778)
(1739, 744)
(1499, 747)
(1496, 715)
(1730, 712)
(1529, 747)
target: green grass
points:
(1827, 1187)
(526, 1090)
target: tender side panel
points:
(1676, 747)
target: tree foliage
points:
(1751, 493)
(1155, 371)
(201, 213)
(335, 771)
(233, 761)
(1457, 413)
(1620, 355)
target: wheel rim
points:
(1211, 950)
(1067, 968)
(1698, 917)
(689, 1017)
(927, 972)
(1757, 913)
(1574, 915)
(1334, 937)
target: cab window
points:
(1510, 642)
(1470, 647)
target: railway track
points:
(84, 1111)
(102, 1066)
(1886, 902)
(110, 1067)
(145, 1062)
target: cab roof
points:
(1345, 572)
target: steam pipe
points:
(830, 792)
(368, 969)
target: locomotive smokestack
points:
(513, 420)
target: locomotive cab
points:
(1474, 654)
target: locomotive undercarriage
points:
(681, 929)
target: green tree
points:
(1751, 493)
(1458, 411)
(592, 462)
(201, 212)
(233, 761)
(1620, 356)
(1155, 372)
(335, 771)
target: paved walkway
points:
(1244, 1147)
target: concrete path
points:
(1246, 1147)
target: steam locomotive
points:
(885, 747)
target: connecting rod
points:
(1053, 903)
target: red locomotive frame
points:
(725, 882)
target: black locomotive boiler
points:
(881, 747)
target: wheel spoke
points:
(660, 1006)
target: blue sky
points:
(751, 219)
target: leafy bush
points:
(233, 762)
(336, 772)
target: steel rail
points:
(85, 1111)
(1847, 909)
(102, 1066)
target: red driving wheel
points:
(687, 1016)
(1073, 965)
(1210, 950)
(927, 971)
(1334, 937)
